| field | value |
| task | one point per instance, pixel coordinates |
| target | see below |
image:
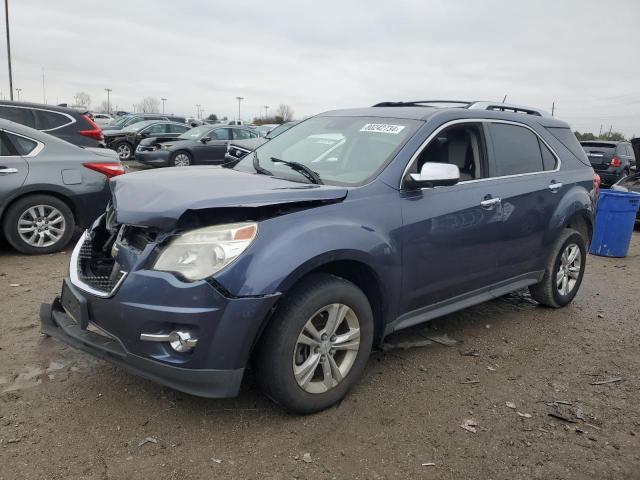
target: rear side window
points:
(23, 116)
(516, 150)
(569, 140)
(240, 134)
(50, 120)
(23, 146)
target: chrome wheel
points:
(569, 269)
(327, 348)
(41, 226)
(124, 151)
(181, 160)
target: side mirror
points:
(435, 174)
(205, 139)
(144, 134)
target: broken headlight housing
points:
(200, 253)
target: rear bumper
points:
(609, 178)
(210, 383)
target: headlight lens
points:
(166, 146)
(200, 253)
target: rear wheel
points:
(180, 159)
(317, 344)
(564, 271)
(39, 224)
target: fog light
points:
(180, 340)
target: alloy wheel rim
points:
(124, 152)
(41, 226)
(181, 160)
(569, 269)
(326, 348)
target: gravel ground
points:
(65, 415)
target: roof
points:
(44, 106)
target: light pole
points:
(108, 90)
(163, 100)
(266, 108)
(239, 100)
(198, 110)
(6, 20)
(18, 90)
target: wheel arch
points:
(60, 194)
(575, 210)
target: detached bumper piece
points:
(207, 383)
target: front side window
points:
(516, 150)
(460, 145)
(195, 133)
(157, 128)
(23, 146)
(340, 150)
(221, 134)
(174, 128)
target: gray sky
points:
(320, 55)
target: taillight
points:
(95, 132)
(615, 162)
(596, 183)
(109, 169)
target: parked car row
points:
(611, 160)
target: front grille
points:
(95, 266)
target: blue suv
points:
(303, 255)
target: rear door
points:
(13, 167)
(528, 184)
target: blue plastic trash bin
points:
(615, 218)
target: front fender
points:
(290, 246)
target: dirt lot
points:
(65, 415)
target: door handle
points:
(7, 171)
(554, 186)
(489, 203)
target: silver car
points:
(48, 187)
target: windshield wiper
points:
(309, 174)
(258, 168)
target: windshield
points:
(120, 121)
(340, 150)
(195, 133)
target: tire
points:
(279, 351)
(548, 292)
(181, 159)
(124, 150)
(51, 215)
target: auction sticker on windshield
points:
(382, 128)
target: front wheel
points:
(124, 150)
(564, 271)
(317, 344)
(180, 159)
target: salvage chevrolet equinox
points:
(302, 256)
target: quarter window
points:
(548, 159)
(516, 150)
(50, 120)
(23, 146)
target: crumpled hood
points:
(158, 198)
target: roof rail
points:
(474, 105)
(507, 107)
(424, 103)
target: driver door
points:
(450, 234)
(213, 151)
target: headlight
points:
(200, 253)
(166, 146)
